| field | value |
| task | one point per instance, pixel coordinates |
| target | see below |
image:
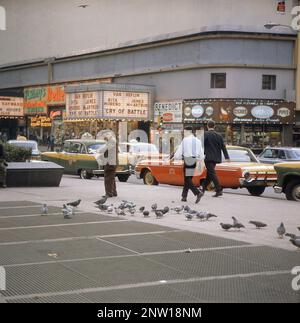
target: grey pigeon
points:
(226, 226)
(296, 243)
(178, 209)
(67, 212)
(237, 224)
(292, 236)
(142, 209)
(131, 211)
(281, 230)
(119, 211)
(101, 201)
(110, 209)
(159, 214)
(200, 215)
(210, 215)
(44, 210)
(146, 214)
(165, 210)
(186, 208)
(154, 206)
(258, 224)
(189, 216)
(75, 203)
(102, 207)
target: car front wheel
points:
(84, 174)
(292, 191)
(149, 179)
(256, 190)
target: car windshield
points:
(293, 154)
(240, 155)
(92, 149)
(24, 144)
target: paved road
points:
(102, 258)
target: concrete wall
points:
(192, 84)
(44, 28)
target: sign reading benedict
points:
(125, 105)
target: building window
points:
(269, 82)
(218, 81)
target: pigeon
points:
(75, 203)
(292, 236)
(101, 201)
(210, 215)
(67, 212)
(142, 209)
(146, 214)
(44, 210)
(281, 230)
(102, 207)
(237, 224)
(226, 226)
(154, 206)
(258, 224)
(186, 208)
(200, 216)
(110, 209)
(177, 209)
(189, 216)
(131, 211)
(296, 243)
(119, 211)
(159, 214)
(165, 210)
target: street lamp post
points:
(270, 25)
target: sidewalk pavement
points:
(244, 207)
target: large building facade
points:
(214, 57)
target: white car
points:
(27, 144)
(137, 151)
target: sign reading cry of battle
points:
(125, 105)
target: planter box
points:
(31, 174)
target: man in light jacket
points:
(108, 158)
(190, 151)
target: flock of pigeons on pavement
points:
(129, 208)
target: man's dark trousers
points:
(110, 180)
(189, 170)
(211, 176)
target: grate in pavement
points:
(27, 211)
(57, 250)
(267, 289)
(172, 241)
(53, 219)
(18, 203)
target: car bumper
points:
(257, 182)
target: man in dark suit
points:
(213, 148)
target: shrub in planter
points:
(16, 154)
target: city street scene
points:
(149, 154)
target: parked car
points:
(288, 180)
(78, 157)
(137, 151)
(273, 155)
(243, 171)
(28, 144)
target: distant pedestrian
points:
(190, 151)
(3, 166)
(213, 148)
(51, 143)
(108, 158)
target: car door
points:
(72, 158)
(281, 156)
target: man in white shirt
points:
(190, 151)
